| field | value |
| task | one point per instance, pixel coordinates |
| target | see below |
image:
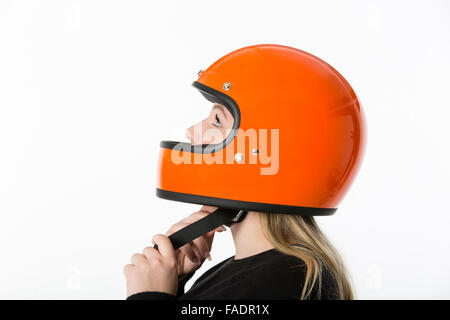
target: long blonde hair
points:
(301, 237)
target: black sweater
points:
(266, 275)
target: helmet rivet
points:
(200, 72)
(255, 151)
(226, 86)
(238, 157)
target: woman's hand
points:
(154, 270)
(159, 270)
(192, 255)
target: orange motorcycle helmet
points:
(314, 128)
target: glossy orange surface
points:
(321, 131)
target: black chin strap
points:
(220, 216)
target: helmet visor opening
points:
(214, 96)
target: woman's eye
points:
(217, 123)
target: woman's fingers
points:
(209, 208)
(174, 228)
(199, 249)
(203, 247)
(164, 246)
(138, 258)
(190, 252)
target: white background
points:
(89, 88)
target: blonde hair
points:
(301, 237)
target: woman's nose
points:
(195, 134)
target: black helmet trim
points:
(243, 205)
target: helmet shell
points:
(272, 88)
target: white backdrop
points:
(89, 88)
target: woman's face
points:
(213, 129)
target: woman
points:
(278, 256)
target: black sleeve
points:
(155, 295)
(151, 295)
